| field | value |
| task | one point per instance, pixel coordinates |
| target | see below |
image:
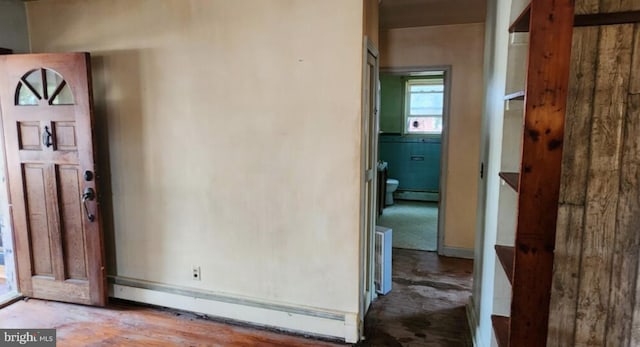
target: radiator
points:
(382, 270)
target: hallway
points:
(426, 306)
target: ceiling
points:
(413, 13)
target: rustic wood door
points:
(47, 128)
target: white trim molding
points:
(300, 320)
(456, 252)
(472, 321)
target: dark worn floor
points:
(426, 306)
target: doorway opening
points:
(8, 288)
(414, 106)
(426, 304)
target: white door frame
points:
(367, 248)
(444, 139)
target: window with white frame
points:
(424, 106)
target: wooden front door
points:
(47, 128)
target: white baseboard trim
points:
(472, 320)
(301, 320)
(415, 195)
(456, 252)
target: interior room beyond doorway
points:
(413, 114)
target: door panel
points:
(47, 129)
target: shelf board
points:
(627, 17)
(521, 24)
(505, 255)
(515, 96)
(501, 329)
(512, 179)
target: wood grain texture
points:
(620, 315)
(627, 238)
(40, 206)
(612, 78)
(551, 30)
(71, 215)
(608, 6)
(575, 154)
(566, 273)
(587, 6)
(123, 324)
(575, 164)
(633, 113)
(634, 84)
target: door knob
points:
(88, 195)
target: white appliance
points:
(382, 271)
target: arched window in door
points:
(43, 86)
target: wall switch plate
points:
(196, 273)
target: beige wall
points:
(460, 46)
(13, 26)
(233, 138)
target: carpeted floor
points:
(414, 224)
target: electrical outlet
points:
(196, 273)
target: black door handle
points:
(46, 137)
(88, 195)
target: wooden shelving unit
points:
(528, 262)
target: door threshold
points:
(9, 298)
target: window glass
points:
(43, 84)
(424, 106)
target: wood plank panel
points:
(575, 165)
(587, 6)
(575, 154)
(37, 216)
(614, 55)
(566, 274)
(65, 135)
(71, 218)
(61, 290)
(633, 114)
(627, 235)
(634, 84)
(29, 136)
(608, 6)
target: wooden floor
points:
(425, 308)
(122, 324)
